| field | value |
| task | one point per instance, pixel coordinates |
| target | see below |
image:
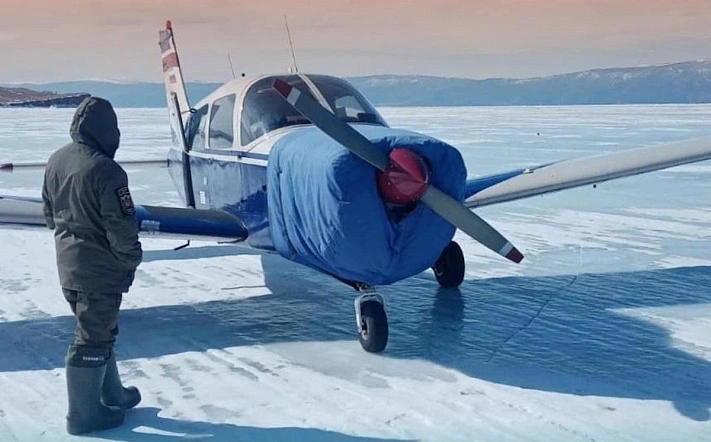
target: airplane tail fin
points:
(178, 110)
(172, 74)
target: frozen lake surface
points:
(603, 333)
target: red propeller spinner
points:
(405, 178)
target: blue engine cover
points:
(325, 210)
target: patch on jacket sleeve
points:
(125, 201)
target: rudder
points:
(172, 73)
(178, 109)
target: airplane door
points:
(225, 175)
(180, 170)
(197, 171)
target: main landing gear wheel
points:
(372, 322)
(449, 268)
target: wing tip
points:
(6, 167)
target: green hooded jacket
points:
(89, 206)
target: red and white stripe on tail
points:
(178, 105)
(172, 75)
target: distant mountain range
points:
(687, 82)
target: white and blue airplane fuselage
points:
(301, 193)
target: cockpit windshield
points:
(264, 110)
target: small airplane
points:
(304, 165)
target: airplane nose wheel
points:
(449, 268)
(372, 322)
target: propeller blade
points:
(350, 138)
(470, 223)
(441, 203)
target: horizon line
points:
(117, 81)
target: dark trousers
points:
(97, 318)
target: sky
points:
(59, 40)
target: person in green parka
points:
(88, 204)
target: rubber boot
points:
(86, 412)
(113, 392)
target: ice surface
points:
(601, 334)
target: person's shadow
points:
(145, 425)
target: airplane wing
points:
(11, 167)
(547, 178)
(164, 222)
(21, 212)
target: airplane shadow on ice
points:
(559, 334)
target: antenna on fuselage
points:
(291, 44)
(231, 67)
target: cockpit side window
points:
(222, 123)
